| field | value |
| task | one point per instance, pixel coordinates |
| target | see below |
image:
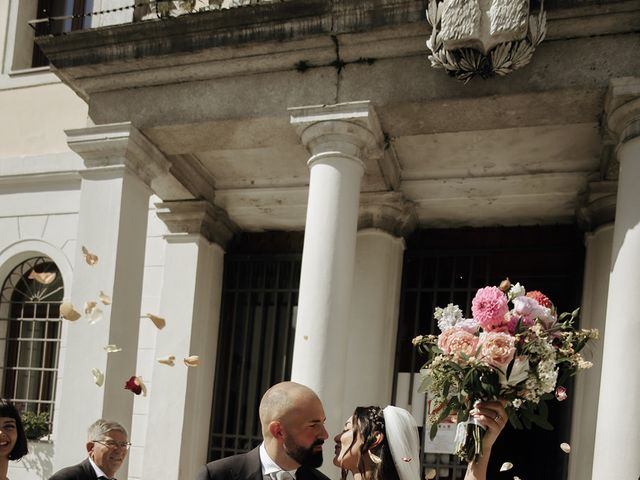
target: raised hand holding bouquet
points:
(515, 349)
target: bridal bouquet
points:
(515, 348)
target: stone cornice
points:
(197, 217)
(622, 107)
(294, 29)
(114, 145)
(389, 212)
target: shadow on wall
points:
(37, 464)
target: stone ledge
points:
(292, 20)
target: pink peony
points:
(497, 349)
(455, 341)
(489, 307)
(513, 322)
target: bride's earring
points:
(374, 458)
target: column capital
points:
(598, 205)
(198, 217)
(351, 129)
(389, 211)
(118, 145)
(622, 108)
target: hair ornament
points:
(406, 459)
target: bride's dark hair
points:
(369, 423)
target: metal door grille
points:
(549, 260)
(30, 330)
(257, 324)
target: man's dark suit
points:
(81, 471)
(247, 466)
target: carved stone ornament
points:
(483, 37)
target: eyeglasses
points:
(112, 444)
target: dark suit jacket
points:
(81, 471)
(246, 466)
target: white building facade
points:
(293, 188)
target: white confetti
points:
(506, 466)
(98, 376)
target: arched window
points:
(30, 329)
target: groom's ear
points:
(276, 430)
(378, 440)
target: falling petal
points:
(89, 257)
(136, 385)
(169, 360)
(88, 307)
(159, 322)
(566, 448)
(431, 474)
(44, 278)
(98, 376)
(104, 298)
(561, 394)
(506, 466)
(95, 316)
(192, 361)
(112, 348)
(68, 312)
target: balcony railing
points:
(58, 18)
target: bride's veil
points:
(403, 441)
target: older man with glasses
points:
(107, 445)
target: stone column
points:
(180, 400)
(617, 440)
(385, 219)
(114, 207)
(597, 215)
(339, 138)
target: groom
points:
(293, 430)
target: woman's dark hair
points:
(369, 423)
(7, 409)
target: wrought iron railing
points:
(255, 345)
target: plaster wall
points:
(40, 216)
(33, 119)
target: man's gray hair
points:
(99, 429)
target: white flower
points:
(519, 372)
(447, 317)
(468, 325)
(515, 291)
(531, 310)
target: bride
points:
(382, 443)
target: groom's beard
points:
(304, 456)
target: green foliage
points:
(36, 425)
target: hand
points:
(493, 417)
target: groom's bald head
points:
(282, 400)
